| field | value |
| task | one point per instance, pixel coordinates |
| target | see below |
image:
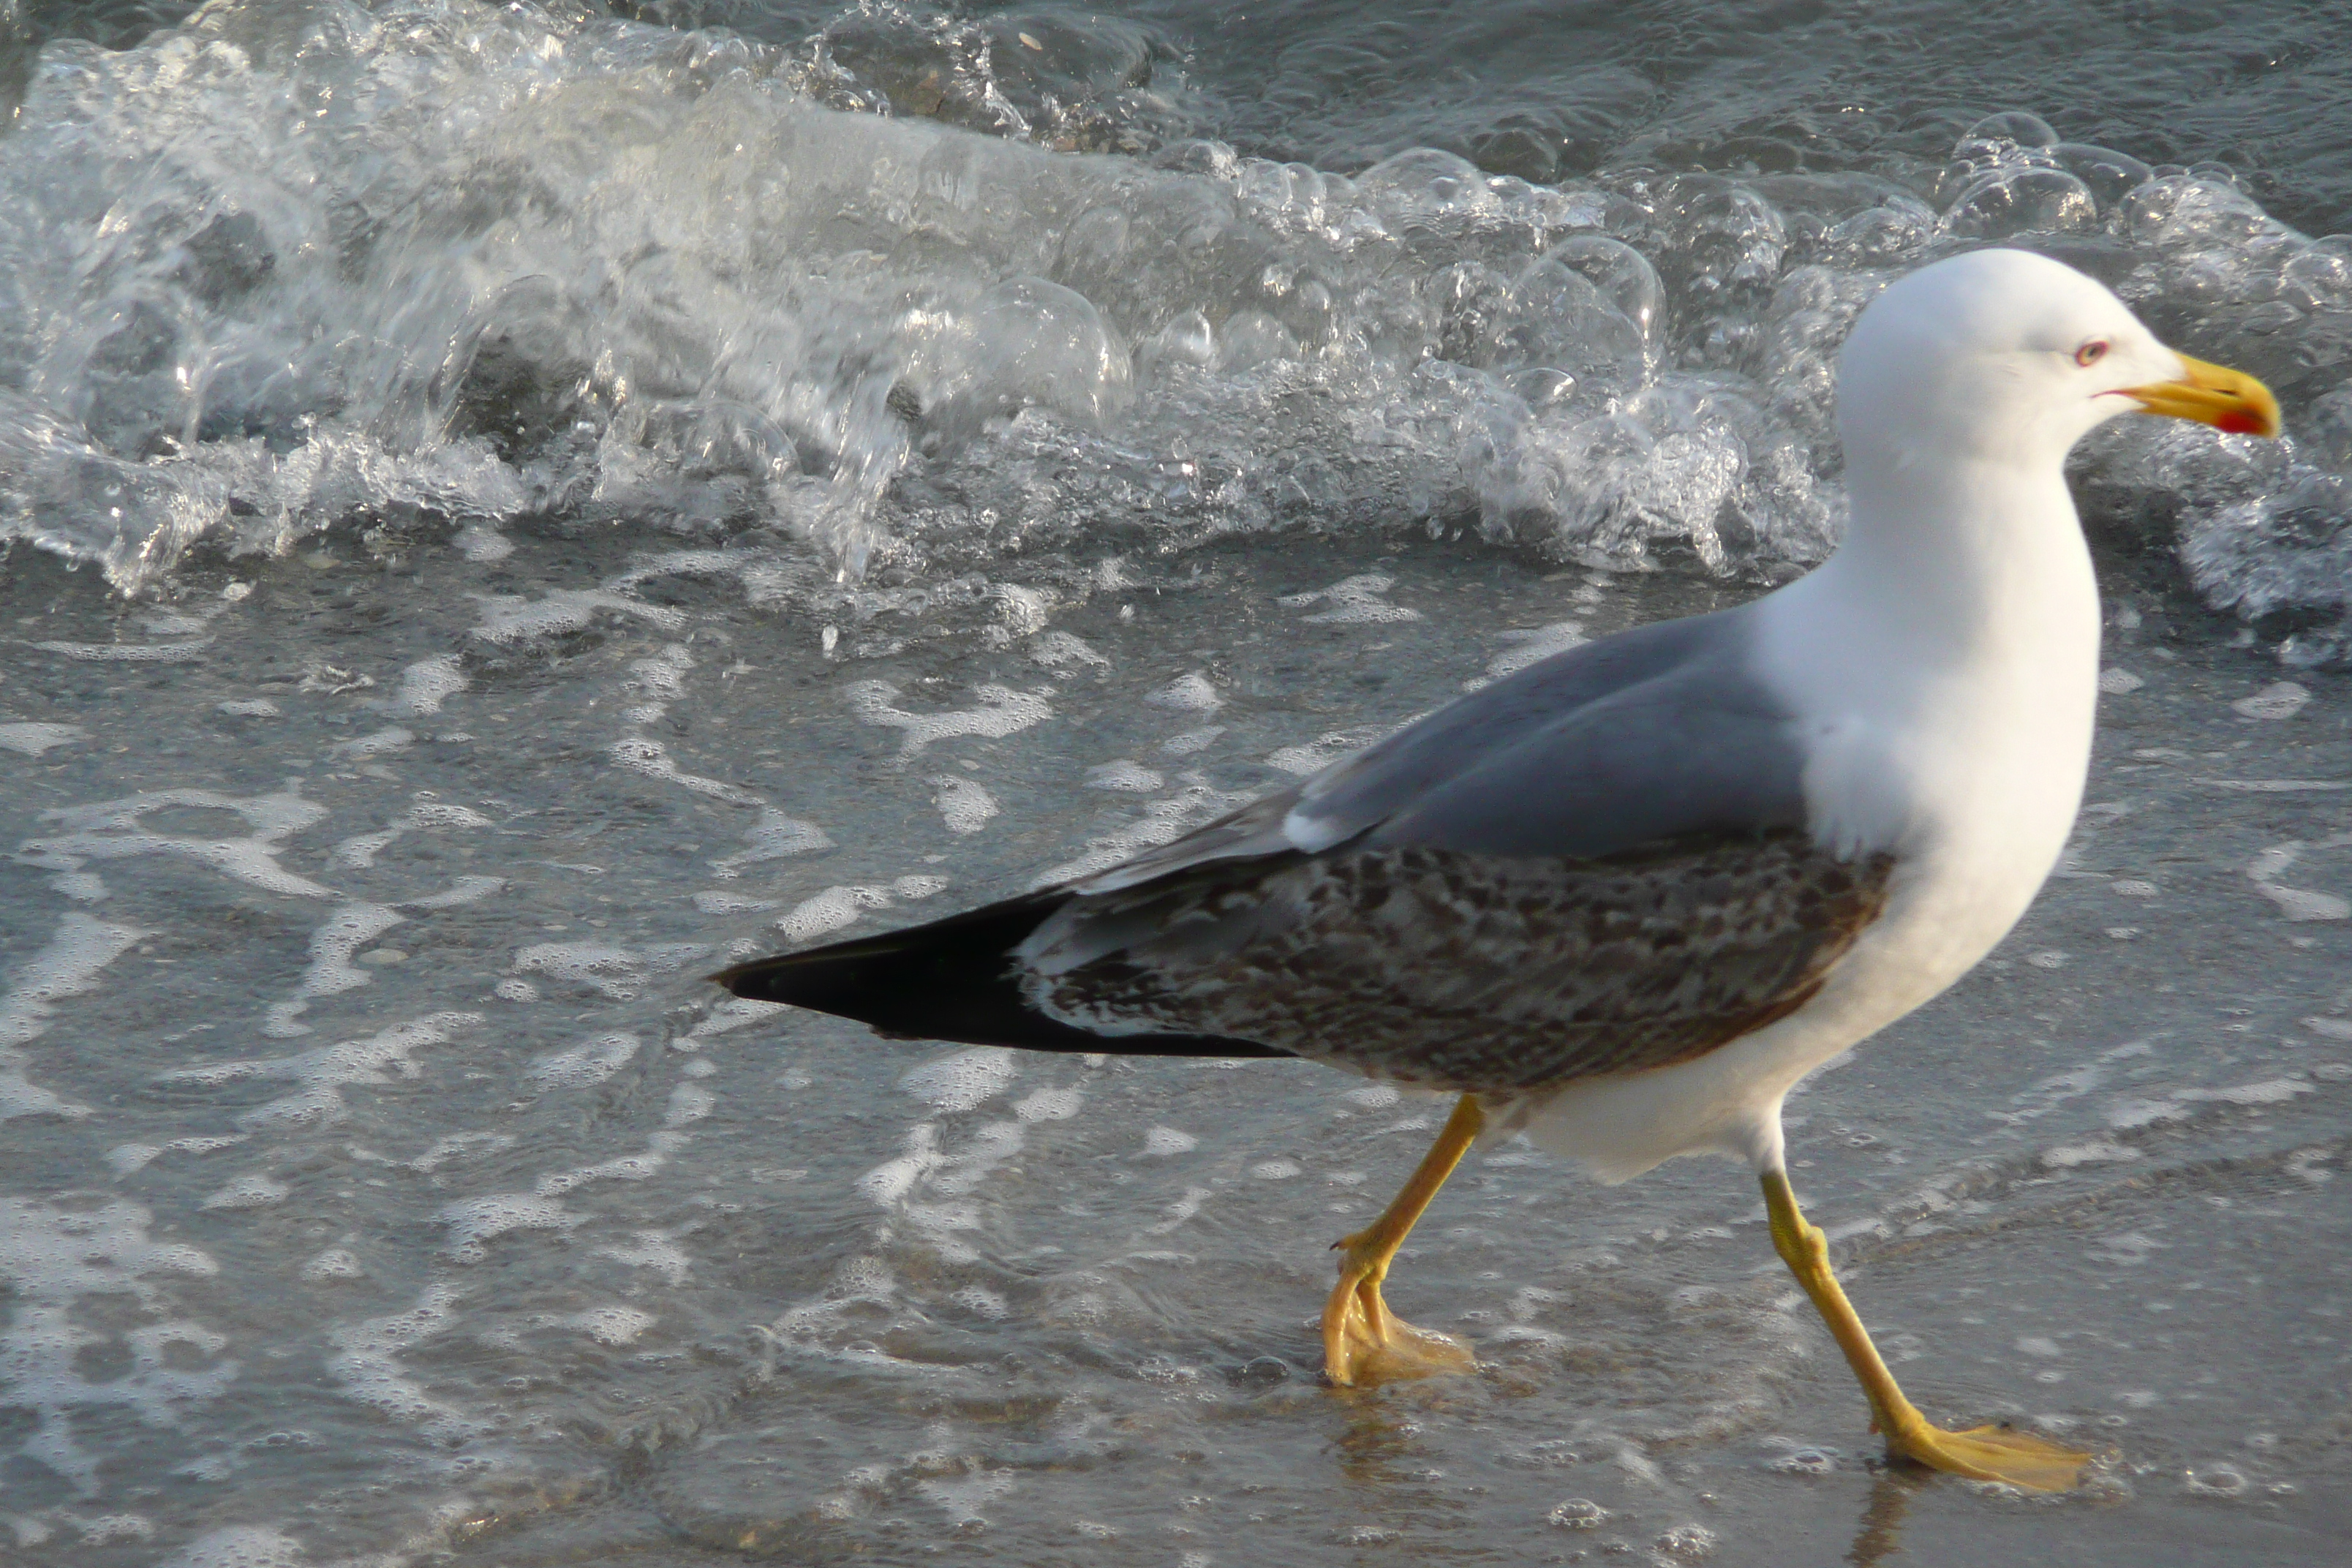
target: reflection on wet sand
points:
(1879, 1536)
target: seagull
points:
(1624, 900)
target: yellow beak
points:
(2213, 394)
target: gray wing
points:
(1656, 731)
(1597, 865)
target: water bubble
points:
(1557, 319)
(582, 1065)
(2014, 126)
(1691, 1542)
(2280, 700)
(2109, 175)
(1124, 775)
(474, 1221)
(1542, 388)
(2317, 277)
(980, 1301)
(2178, 211)
(963, 1081)
(1807, 1461)
(1292, 194)
(2010, 202)
(1189, 693)
(335, 1263)
(1186, 340)
(1579, 1513)
(1894, 230)
(1163, 1141)
(1094, 247)
(1199, 156)
(1473, 302)
(1252, 338)
(1024, 341)
(2217, 1481)
(1425, 186)
(1050, 1105)
(1723, 240)
(966, 807)
(1623, 275)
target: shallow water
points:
(530, 553)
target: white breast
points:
(1946, 708)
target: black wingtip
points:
(950, 980)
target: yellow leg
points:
(1983, 1453)
(1363, 1342)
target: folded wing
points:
(1597, 865)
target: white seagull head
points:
(2008, 358)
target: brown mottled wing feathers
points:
(1474, 973)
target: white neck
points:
(1944, 663)
(1954, 565)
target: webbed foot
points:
(1363, 1342)
(1989, 1453)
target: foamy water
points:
(294, 265)
(561, 503)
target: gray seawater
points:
(510, 507)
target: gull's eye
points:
(2092, 352)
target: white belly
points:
(1940, 919)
